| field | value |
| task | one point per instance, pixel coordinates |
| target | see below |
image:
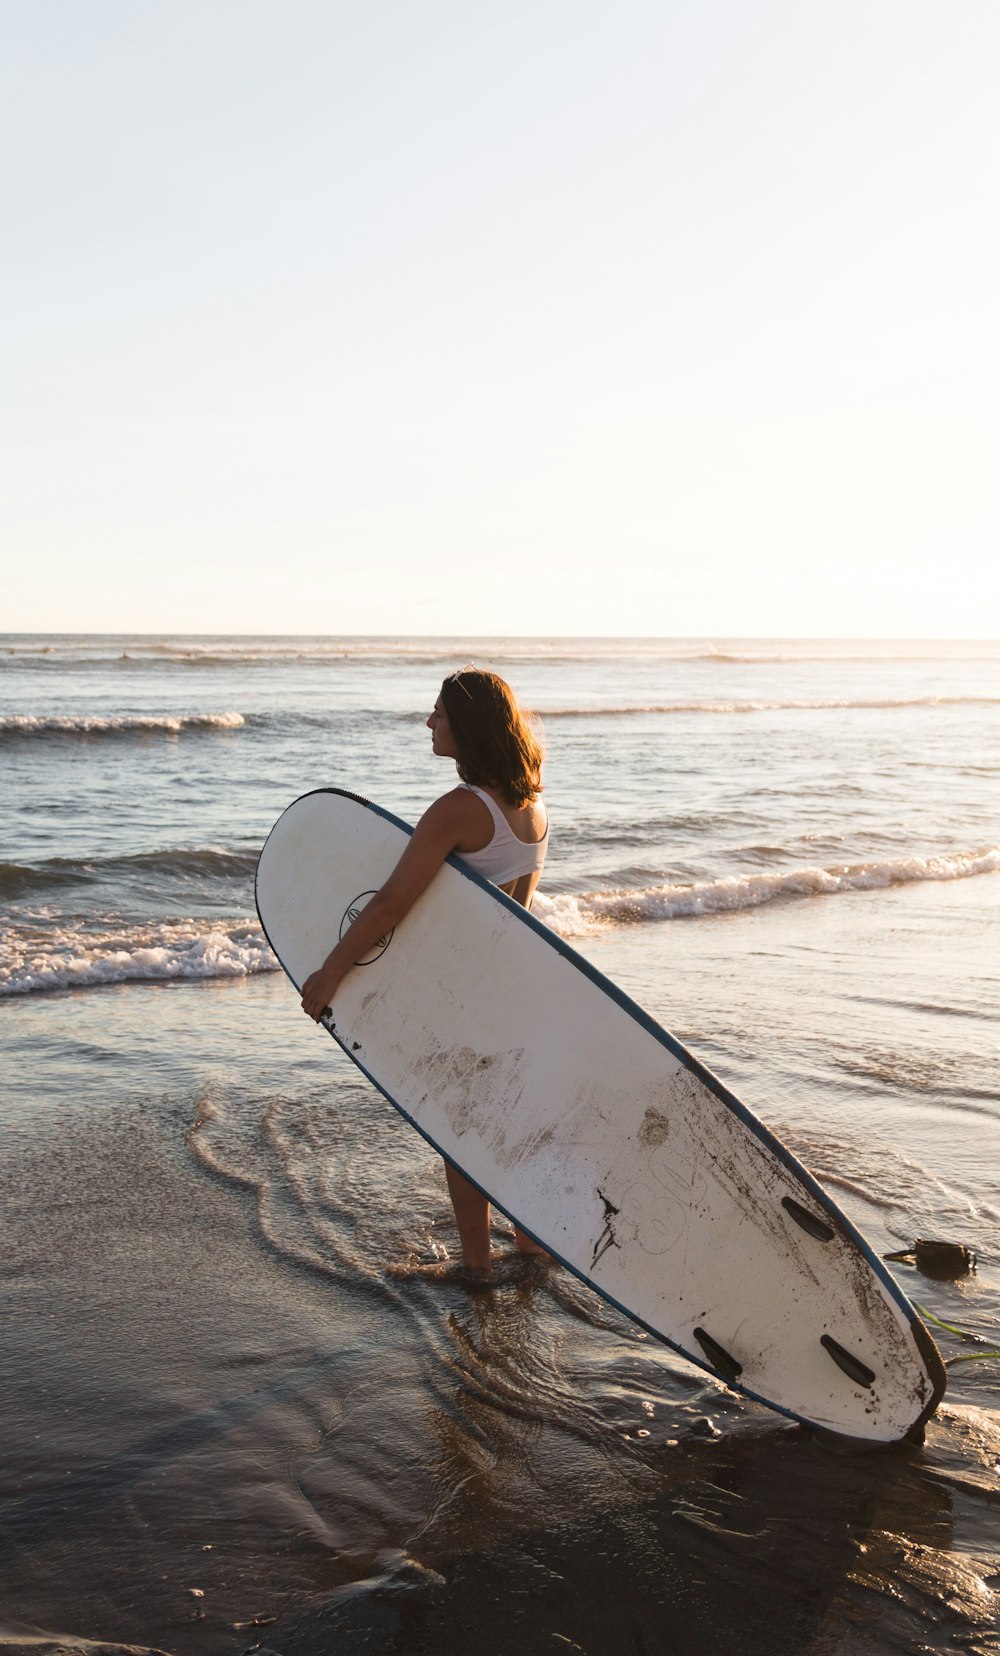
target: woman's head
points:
(491, 741)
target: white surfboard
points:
(595, 1130)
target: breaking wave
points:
(577, 914)
(45, 957)
(121, 724)
(46, 951)
(15, 727)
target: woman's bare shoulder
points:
(459, 816)
(460, 807)
(455, 800)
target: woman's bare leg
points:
(472, 1215)
(525, 1245)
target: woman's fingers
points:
(315, 997)
(317, 993)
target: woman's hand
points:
(318, 991)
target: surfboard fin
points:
(852, 1366)
(808, 1221)
(721, 1360)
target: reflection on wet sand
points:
(556, 1527)
(229, 1426)
(697, 1538)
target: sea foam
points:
(121, 724)
(577, 914)
(45, 957)
(44, 953)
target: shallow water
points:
(228, 1422)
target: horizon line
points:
(658, 638)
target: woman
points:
(496, 822)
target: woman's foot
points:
(447, 1270)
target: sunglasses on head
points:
(456, 678)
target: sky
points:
(652, 317)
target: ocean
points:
(229, 1425)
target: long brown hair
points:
(497, 747)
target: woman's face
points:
(442, 741)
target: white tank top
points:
(505, 857)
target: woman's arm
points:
(449, 825)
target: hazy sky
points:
(638, 316)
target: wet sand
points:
(228, 1428)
